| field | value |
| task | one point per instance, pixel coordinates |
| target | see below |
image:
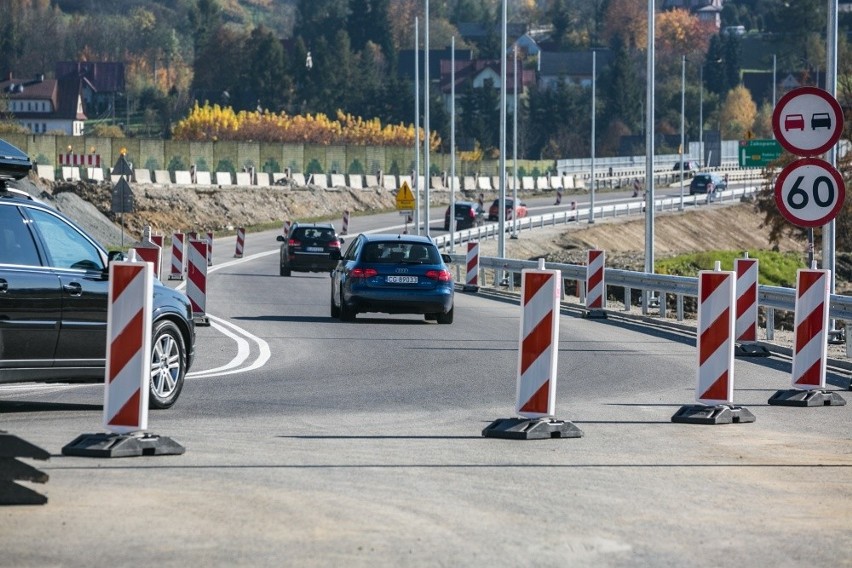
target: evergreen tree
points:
(622, 91)
(266, 74)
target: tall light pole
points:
(682, 121)
(701, 114)
(592, 199)
(515, 147)
(828, 231)
(501, 240)
(417, 125)
(649, 153)
(426, 121)
(453, 145)
(774, 79)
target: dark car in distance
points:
(393, 274)
(467, 215)
(53, 304)
(494, 210)
(309, 247)
(703, 181)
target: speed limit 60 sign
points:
(809, 192)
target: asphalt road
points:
(312, 442)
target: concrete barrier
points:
(541, 183)
(338, 180)
(568, 182)
(299, 180)
(556, 182)
(162, 177)
(278, 176)
(46, 172)
(438, 183)
(243, 179)
(469, 183)
(142, 175)
(371, 180)
(319, 180)
(262, 179)
(389, 182)
(203, 178)
(224, 178)
(70, 173)
(528, 183)
(95, 174)
(183, 177)
(484, 183)
(356, 181)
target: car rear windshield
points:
(314, 234)
(400, 252)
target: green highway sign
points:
(758, 153)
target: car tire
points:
(168, 365)
(335, 310)
(346, 313)
(284, 271)
(446, 318)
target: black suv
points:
(54, 296)
(703, 181)
(468, 215)
(309, 247)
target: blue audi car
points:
(393, 274)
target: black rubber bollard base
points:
(470, 288)
(719, 414)
(801, 397)
(122, 446)
(531, 429)
(596, 314)
(751, 350)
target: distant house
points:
(706, 10)
(102, 82)
(556, 67)
(481, 72)
(527, 45)
(405, 66)
(45, 105)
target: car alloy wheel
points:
(168, 365)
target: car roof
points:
(317, 225)
(375, 237)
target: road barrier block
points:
(241, 239)
(150, 252)
(472, 264)
(178, 257)
(345, 229)
(810, 348)
(196, 281)
(537, 362)
(715, 342)
(747, 270)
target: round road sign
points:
(809, 192)
(807, 121)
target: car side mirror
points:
(280, 238)
(446, 258)
(341, 239)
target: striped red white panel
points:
(539, 343)
(472, 258)
(595, 279)
(128, 360)
(178, 257)
(345, 230)
(747, 271)
(196, 277)
(209, 249)
(241, 239)
(149, 252)
(716, 300)
(811, 326)
(71, 159)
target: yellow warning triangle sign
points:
(404, 197)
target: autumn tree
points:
(737, 114)
(627, 20)
(679, 33)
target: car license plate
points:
(314, 249)
(402, 280)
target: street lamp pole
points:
(416, 126)
(649, 154)
(682, 121)
(701, 114)
(501, 240)
(426, 143)
(515, 147)
(453, 145)
(592, 197)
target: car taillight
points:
(294, 243)
(362, 272)
(471, 214)
(439, 275)
(335, 244)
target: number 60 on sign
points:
(810, 192)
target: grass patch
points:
(776, 268)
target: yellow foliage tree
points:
(223, 123)
(627, 20)
(738, 113)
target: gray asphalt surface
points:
(359, 444)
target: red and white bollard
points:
(558, 197)
(810, 349)
(472, 263)
(150, 252)
(747, 270)
(715, 341)
(345, 229)
(178, 257)
(196, 277)
(128, 369)
(537, 362)
(209, 248)
(595, 284)
(241, 239)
